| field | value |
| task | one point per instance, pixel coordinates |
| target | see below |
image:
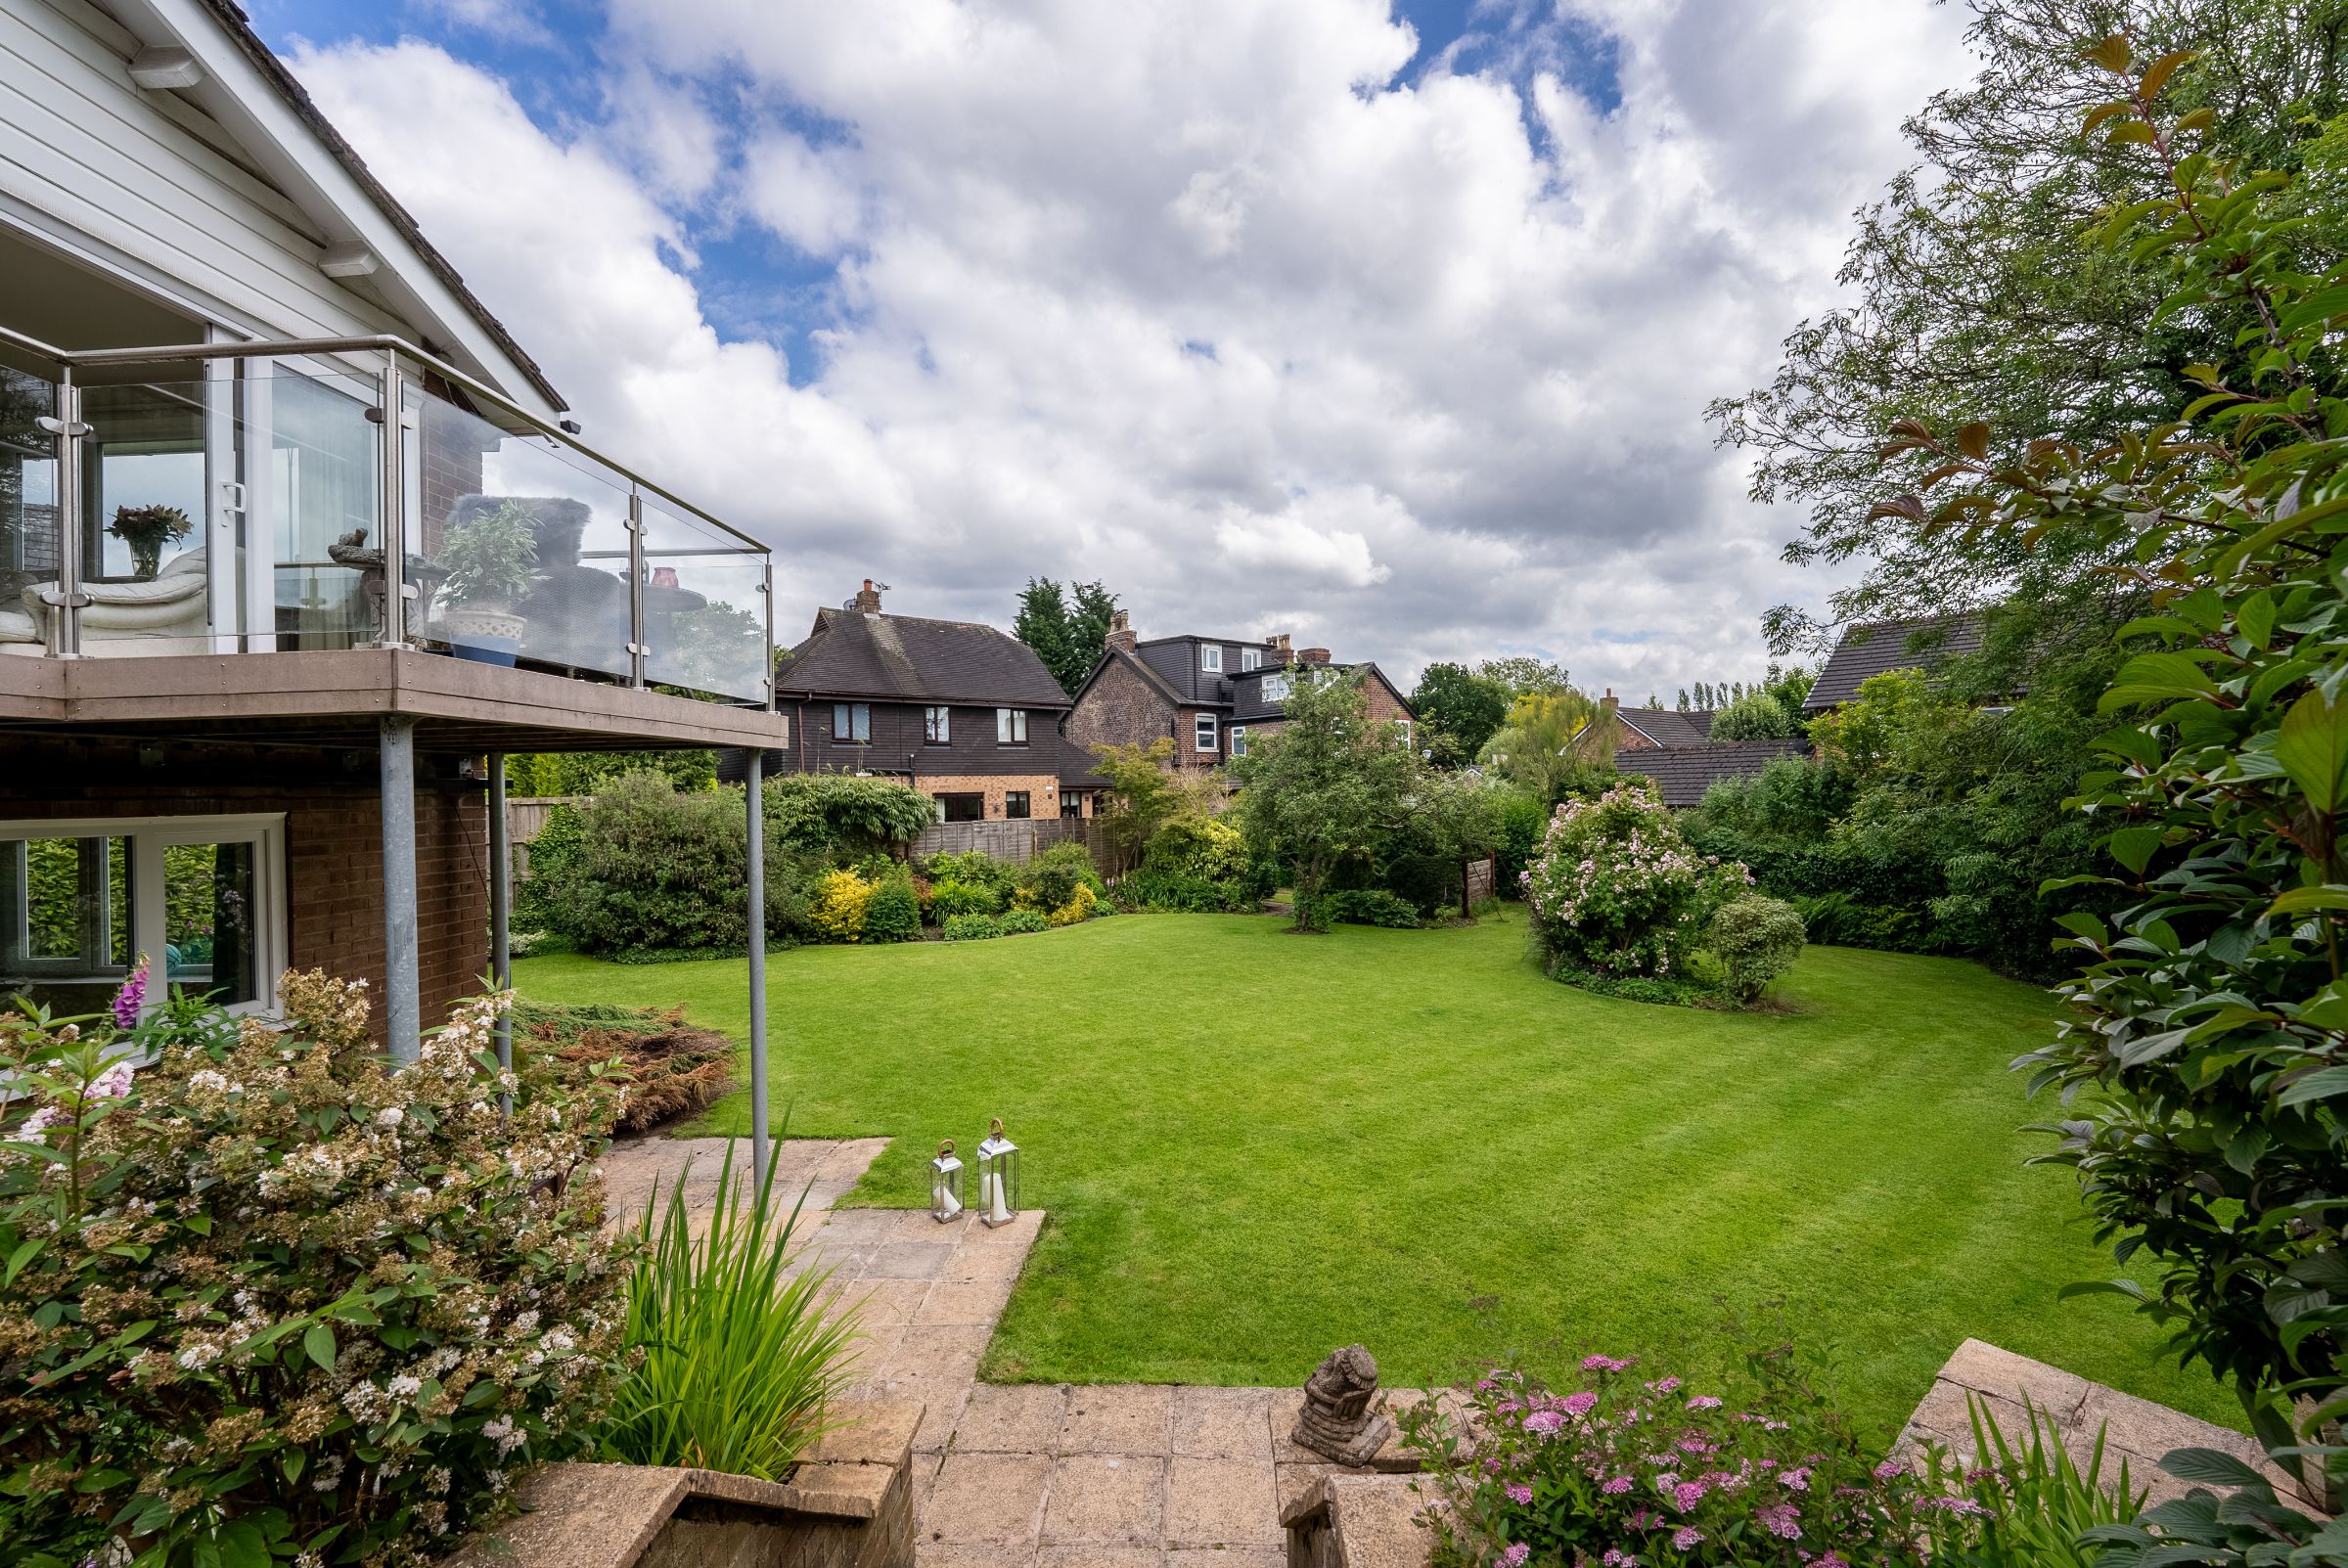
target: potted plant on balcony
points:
(147, 529)
(487, 558)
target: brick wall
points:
(451, 466)
(1120, 708)
(1043, 789)
(332, 841)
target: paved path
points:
(1022, 1475)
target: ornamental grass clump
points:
(1616, 889)
(740, 1357)
(269, 1296)
(1625, 1472)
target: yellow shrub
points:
(840, 899)
(1079, 908)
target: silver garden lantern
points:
(945, 1184)
(997, 1177)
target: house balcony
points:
(301, 539)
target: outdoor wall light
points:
(997, 1177)
(945, 1184)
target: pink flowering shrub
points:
(1631, 1472)
(266, 1298)
(1616, 889)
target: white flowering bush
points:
(1616, 889)
(268, 1298)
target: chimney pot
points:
(1279, 642)
(869, 599)
(1120, 631)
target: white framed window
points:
(1210, 657)
(1206, 728)
(202, 898)
(1252, 658)
(1276, 689)
(937, 725)
(1239, 739)
(1010, 727)
(852, 723)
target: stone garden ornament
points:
(1337, 1420)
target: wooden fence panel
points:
(1015, 841)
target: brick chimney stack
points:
(1312, 656)
(1279, 645)
(869, 600)
(1607, 704)
(1120, 631)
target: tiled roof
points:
(1685, 772)
(906, 658)
(1883, 645)
(1664, 727)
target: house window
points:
(1210, 657)
(79, 901)
(1205, 723)
(853, 723)
(1239, 739)
(1252, 658)
(1276, 689)
(1010, 727)
(1015, 802)
(961, 807)
(1071, 803)
(937, 725)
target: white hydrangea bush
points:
(269, 1298)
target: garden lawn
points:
(1255, 1147)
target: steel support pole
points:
(402, 1005)
(501, 910)
(754, 779)
(66, 599)
(638, 646)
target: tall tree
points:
(1462, 707)
(1067, 636)
(1328, 783)
(1526, 676)
(1975, 299)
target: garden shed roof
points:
(1682, 773)
(908, 658)
(1878, 647)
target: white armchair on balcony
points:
(168, 611)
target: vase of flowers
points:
(147, 529)
(488, 561)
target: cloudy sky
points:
(1388, 325)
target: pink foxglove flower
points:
(132, 996)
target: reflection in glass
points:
(209, 920)
(28, 539)
(323, 483)
(65, 921)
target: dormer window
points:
(1252, 658)
(1276, 689)
(1210, 657)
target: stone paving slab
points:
(2008, 1387)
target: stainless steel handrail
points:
(376, 343)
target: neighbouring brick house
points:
(963, 712)
(1878, 647)
(1210, 696)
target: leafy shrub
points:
(1171, 892)
(840, 816)
(1016, 923)
(1755, 1470)
(842, 899)
(1197, 846)
(1052, 876)
(975, 867)
(1616, 890)
(650, 869)
(740, 1357)
(1755, 716)
(1755, 939)
(949, 898)
(1656, 990)
(1078, 908)
(970, 928)
(1368, 906)
(894, 914)
(275, 1296)
(1524, 819)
